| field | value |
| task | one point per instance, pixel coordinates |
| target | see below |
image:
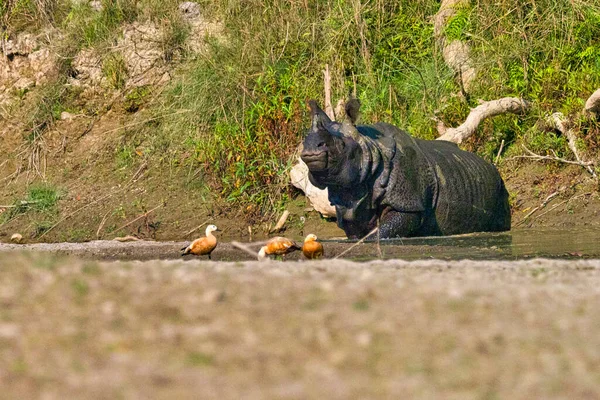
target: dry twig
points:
(104, 218)
(138, 218)
(246, 247)
(542, 205)
(376, 229)
(556, 158)
(560, 204)
(196, 228)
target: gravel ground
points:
(76, 328)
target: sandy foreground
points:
(75, 328)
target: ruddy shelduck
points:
(203, 246)
(277, 246)
(311, 248)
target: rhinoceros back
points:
(456, 191)
(470, 195)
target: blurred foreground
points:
(72, 328)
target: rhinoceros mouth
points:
(315, 161)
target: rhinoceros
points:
(380, 176)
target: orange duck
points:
(311, 248)
(202, 246)
(277, 246)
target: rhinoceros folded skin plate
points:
(379, 174)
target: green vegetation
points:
(41, 199)
(114, 69)
(233, 114)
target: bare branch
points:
(558, 119)
(327, 87)
(499, 152)
(481, 112)
(542, 205)
(539, 157)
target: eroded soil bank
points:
(170, 329)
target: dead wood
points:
(560, 204)
(327, 87)
(542, 205)
(592, 104)
(281, 222)
(481, 112)
(538, 157)
(558, 120)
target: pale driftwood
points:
(593, 103)
(558, 119)
(340, 109)
(318, 198)
(281, 222)
(481, 112)
(21, 204)
(447, 10)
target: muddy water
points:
(518, 244)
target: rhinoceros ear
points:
(349, 120)
(318, 116)
(352, 108)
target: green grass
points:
(42, 198)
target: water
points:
(516, 244)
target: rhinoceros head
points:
(332, 149)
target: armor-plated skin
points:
(413, 187)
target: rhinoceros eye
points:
(321, 144)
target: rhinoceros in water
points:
(380, 175)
